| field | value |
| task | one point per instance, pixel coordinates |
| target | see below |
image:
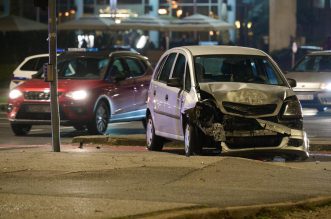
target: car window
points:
(117, 69)
(314, 63)
(136, 68)
(41, 62)
(236, 68)
(187, 78)
(166, 70)
(82, 68)
(30, 65)
(179, 68)
(159, 67)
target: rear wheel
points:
(153, 142)
(99, 124)
(192, 140)
(21, 129)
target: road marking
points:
(119, 123)
(36, 130)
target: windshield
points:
(79, 68)
(82, 68)
(314, 63)
(236, 68)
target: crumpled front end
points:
(243, 127)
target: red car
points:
(94, 88)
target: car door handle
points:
(166, 97)
(154, 93)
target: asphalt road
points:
(104, 182)
(316, 125)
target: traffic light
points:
(43, 4)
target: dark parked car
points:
(284, 57)
(94, 88)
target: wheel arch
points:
(105, 99)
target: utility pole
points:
(52, 75)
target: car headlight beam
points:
(14, 94)
(77, 95)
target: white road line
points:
(36, 130)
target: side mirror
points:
(292, 82)
(174, 82)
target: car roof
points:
(37, 56)
(324, 52)
(98, 54)
(83, 54)
(224, 50)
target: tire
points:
(99, 123)
(79, 127)
(153, 142)
(192, 140)
(21, 129)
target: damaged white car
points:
(232, 98)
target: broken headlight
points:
(292, 108)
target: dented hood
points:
(245, 93)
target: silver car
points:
(313, 76)
(232, 98)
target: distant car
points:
(29, 66)
(94, 88)
(284, 57)
(233, 98)
(313, 76)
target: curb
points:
(316, 144)
(133, 140)
(239, 211)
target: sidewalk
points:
(105, 182)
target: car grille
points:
(249, 110)
(38, 95)
(253, 142)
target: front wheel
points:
(21, 129)
(154, 142)
(99, 123)
(191, 140)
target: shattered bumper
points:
(290, 141)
